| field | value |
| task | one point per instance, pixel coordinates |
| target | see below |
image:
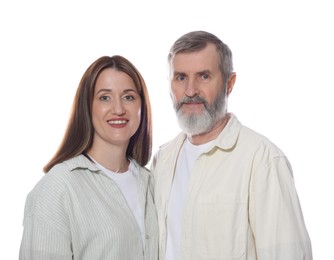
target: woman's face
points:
(116, 110)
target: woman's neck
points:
(113, 159)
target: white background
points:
(283, 55)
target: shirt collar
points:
(82, 162)
(227, 139)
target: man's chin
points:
(188, 113)
(194, 128)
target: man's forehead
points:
(206, 59)
(192, 67)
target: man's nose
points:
(192, 88)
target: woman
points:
(95, 202)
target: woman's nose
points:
(117, 107)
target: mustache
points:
(195, 99)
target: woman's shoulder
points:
(60, 176)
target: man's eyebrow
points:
(204, 72)
(198, 73)
(178, 73)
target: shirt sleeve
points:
(41, 241)
(275, 214)
(46, 233)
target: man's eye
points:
(205, 76)
(180, 77)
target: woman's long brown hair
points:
(78, 137)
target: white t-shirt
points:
(187, 157)
(128, 183)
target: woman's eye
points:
(128, 97)
(104, 98)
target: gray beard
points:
(195, 124)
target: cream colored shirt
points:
(78, 212)
(185, 161)
(241, 201)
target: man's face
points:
(197, 90)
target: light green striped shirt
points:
(78, 212)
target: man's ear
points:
(230, 83)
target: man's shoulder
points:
(260, 143)
(168, 151)
(173, 143)
(246, 138)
